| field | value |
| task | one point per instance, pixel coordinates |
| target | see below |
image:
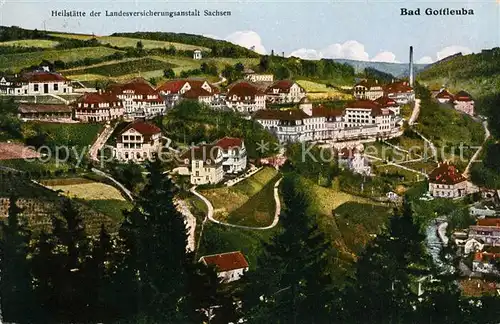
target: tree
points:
(292, 283)
(16, 293)
(139, 46)
(382, 290)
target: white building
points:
(234, 154)
(446, 182)
(139, 98)
(285, 91)
(400, 91)
(366, 89)
(251, 76)
(175, 90)
(139, 141)
(203, 163)
(386, 102)
(443, 96)
(38, 83)
(245, 97)
(98, 107)
(230, 266)
(197, 54)
(463, 102)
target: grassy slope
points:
(20, 60)
(80, 135)
(130, 42)
(124, 68)
(42, 43)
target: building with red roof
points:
(444, 96)
(368, 89)
(193, 89)
(463, 102)
(138, 141)
(230, 266)
(38, 83)
(45, 112)
(234, 154)
(285, 91)
(245, 97)
(372, 117)
(391, 104)
(203, 163)
(447, 182)
(98, 107)
(140, 99)
(401, 91)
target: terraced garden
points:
(123, 68)
(41, 43)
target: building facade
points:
(446, 182)
(138, 142)
(400, 91)
(50, 113)
(139, 98)
(245, 98)
(39, 83)
(234, 154)
(285, 91)
(463, 102)
(204, 164)
(98, 107)
(443, 96)
(367, 89)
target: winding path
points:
(396, 165)
(127, 192)
(474, 158)
(415, 112)
(210, 213)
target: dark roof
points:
(144, 128)
(39, 76)
(229, 142)
(226, 261)
(137, 85)
(97, 98)
(365, 104)
(368, 83)
(398, 87)
(244, 89)
(444, 94)
(290, 114)
(322, 111)
(195, 93)
(282, 85)
(25, 108)
(386, 102)
(202, 152)
(463, 96)
(447, 174)
(489, 221)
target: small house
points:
(229, 266)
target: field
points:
(42, 43)
(101, 197)
(131, 42)
(124, 68)
(18, 61)
(319, 91)
(250, 202)
(80, 135)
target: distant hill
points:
(399, 70)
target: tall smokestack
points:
(412, 76)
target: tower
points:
(412, 76)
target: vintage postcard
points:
(286, 161)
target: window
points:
(35, 87)
(56, 87)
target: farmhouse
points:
(52, 113)
(98, 107)
(39, 83)
(139, 141)
(203, 163)
(400, 91)
(445, 181)
(234, 154)
(368, 89)
(140, 99)
(463, 102)
(230, 266)
(444, 96)
(245, 97)
(285, 91)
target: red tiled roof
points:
(195, 93)
(281, 85)
(444, 94)
(463, 96)
(226, 261)
(229, 142)
(322, 111)
(385, 101)
(485, 256)
(346, 153)
(173, 86)
(244, 89)
(138, 86)
(42, 77)
(398, 87)
(25, 108)
(143, 128)
(291, 114)
(96, 98)
(368, 84)
(489, 221)
(446, 174)
(365, 104)
(11, 151)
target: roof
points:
(25, 108)
(11, 151)
(195, 93)
(368, 83)
(485, 256)
(322, 111)
(447, 174)
(42, 76)
(397, 87)
(143, 128)
(346, 153)
(489, 221)
(226, 261)
(304, 100)
(173, 86)
(463, 96)
(291, 114)
(137, 85)
(202, 152)
(444, 94)
(365, 104)
(96, 98)
(244, 89)
(229, 142)
(385, 101)
(281, 85)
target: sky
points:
(369, 30)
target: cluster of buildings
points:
(401, 91)
(360, 119)
(462, 101)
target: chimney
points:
(411, 67)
